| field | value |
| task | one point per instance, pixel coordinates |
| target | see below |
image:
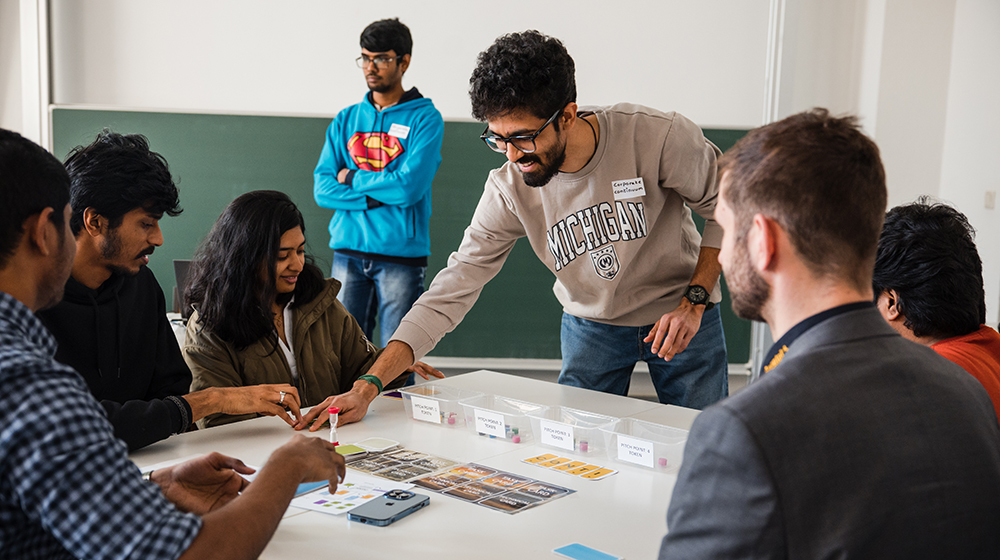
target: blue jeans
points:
(377, 288)
(601, 357)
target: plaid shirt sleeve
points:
(66, 483)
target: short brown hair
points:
(822, 179)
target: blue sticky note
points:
(577, 551)
(309, 487)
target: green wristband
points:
(373, 380)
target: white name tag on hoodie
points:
(628, 188)
(399, 131)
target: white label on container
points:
(557, 434)
(399, 131)
(635, 450)
(490, 423)
(428, 410)
(628, 188)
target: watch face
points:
(697, 295)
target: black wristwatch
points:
(698, 295)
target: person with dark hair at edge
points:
(604, 196)
(67, 486)
(854, 442)
(264, 314)
(928, 285)
(112, 323)
(375, 171)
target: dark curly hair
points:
(225, 284)
(116, 174)
(522, 71)
(927, 254)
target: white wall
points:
(704, 59)
(10, 65)
(969, 165)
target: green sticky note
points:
(349, 449)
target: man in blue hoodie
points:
(376, 169)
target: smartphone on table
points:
(391, 506)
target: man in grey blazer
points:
(855, 443)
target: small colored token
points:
(584, 446)
(517, 439)
(662, 461)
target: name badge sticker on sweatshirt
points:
(401, 131)
(628, 188)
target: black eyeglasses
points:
(379, 61)
(525, 144)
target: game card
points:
(540, 458)
(509, 503)
(543, 490)
(441, 481)
(569, 466)
(434, 463)
(474, 491)
(366, 465)
(400, 474)
(554, 462)
(472, 470)
(506, 480)
(598, 474)
(583, 469)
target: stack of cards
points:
(570, 466)
(400, 464)
(488, 487)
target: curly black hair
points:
(116, 174)
(522, 71)
(927, 254)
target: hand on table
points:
(318, 457)
(203, 484)
(424, 370)
(671, 334)
(263, 399)
(353, 406)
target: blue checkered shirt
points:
(67, 487)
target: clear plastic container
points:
(645, 444)
(569, 429)
(500, 417)
(437, 404)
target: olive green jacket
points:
(331, 352)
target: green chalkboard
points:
(215, 158)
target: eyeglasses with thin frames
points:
(524, 143)
(379, 61)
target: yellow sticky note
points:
(583, 469)
(598, 474)
(570, 465)
(540, 458)
(554, 462)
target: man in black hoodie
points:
(111, 325)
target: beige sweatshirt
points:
(618, 234)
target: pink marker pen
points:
(334, 411)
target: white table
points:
(623, 514)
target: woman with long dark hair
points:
(263, 312)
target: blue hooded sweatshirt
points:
(384, 206)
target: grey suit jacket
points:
(859, 444)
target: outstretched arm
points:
(242, 527)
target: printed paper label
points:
(428, 410)
(635, 450)
(626, 188)
(557, 434)
(490, 423)
(399, 131)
